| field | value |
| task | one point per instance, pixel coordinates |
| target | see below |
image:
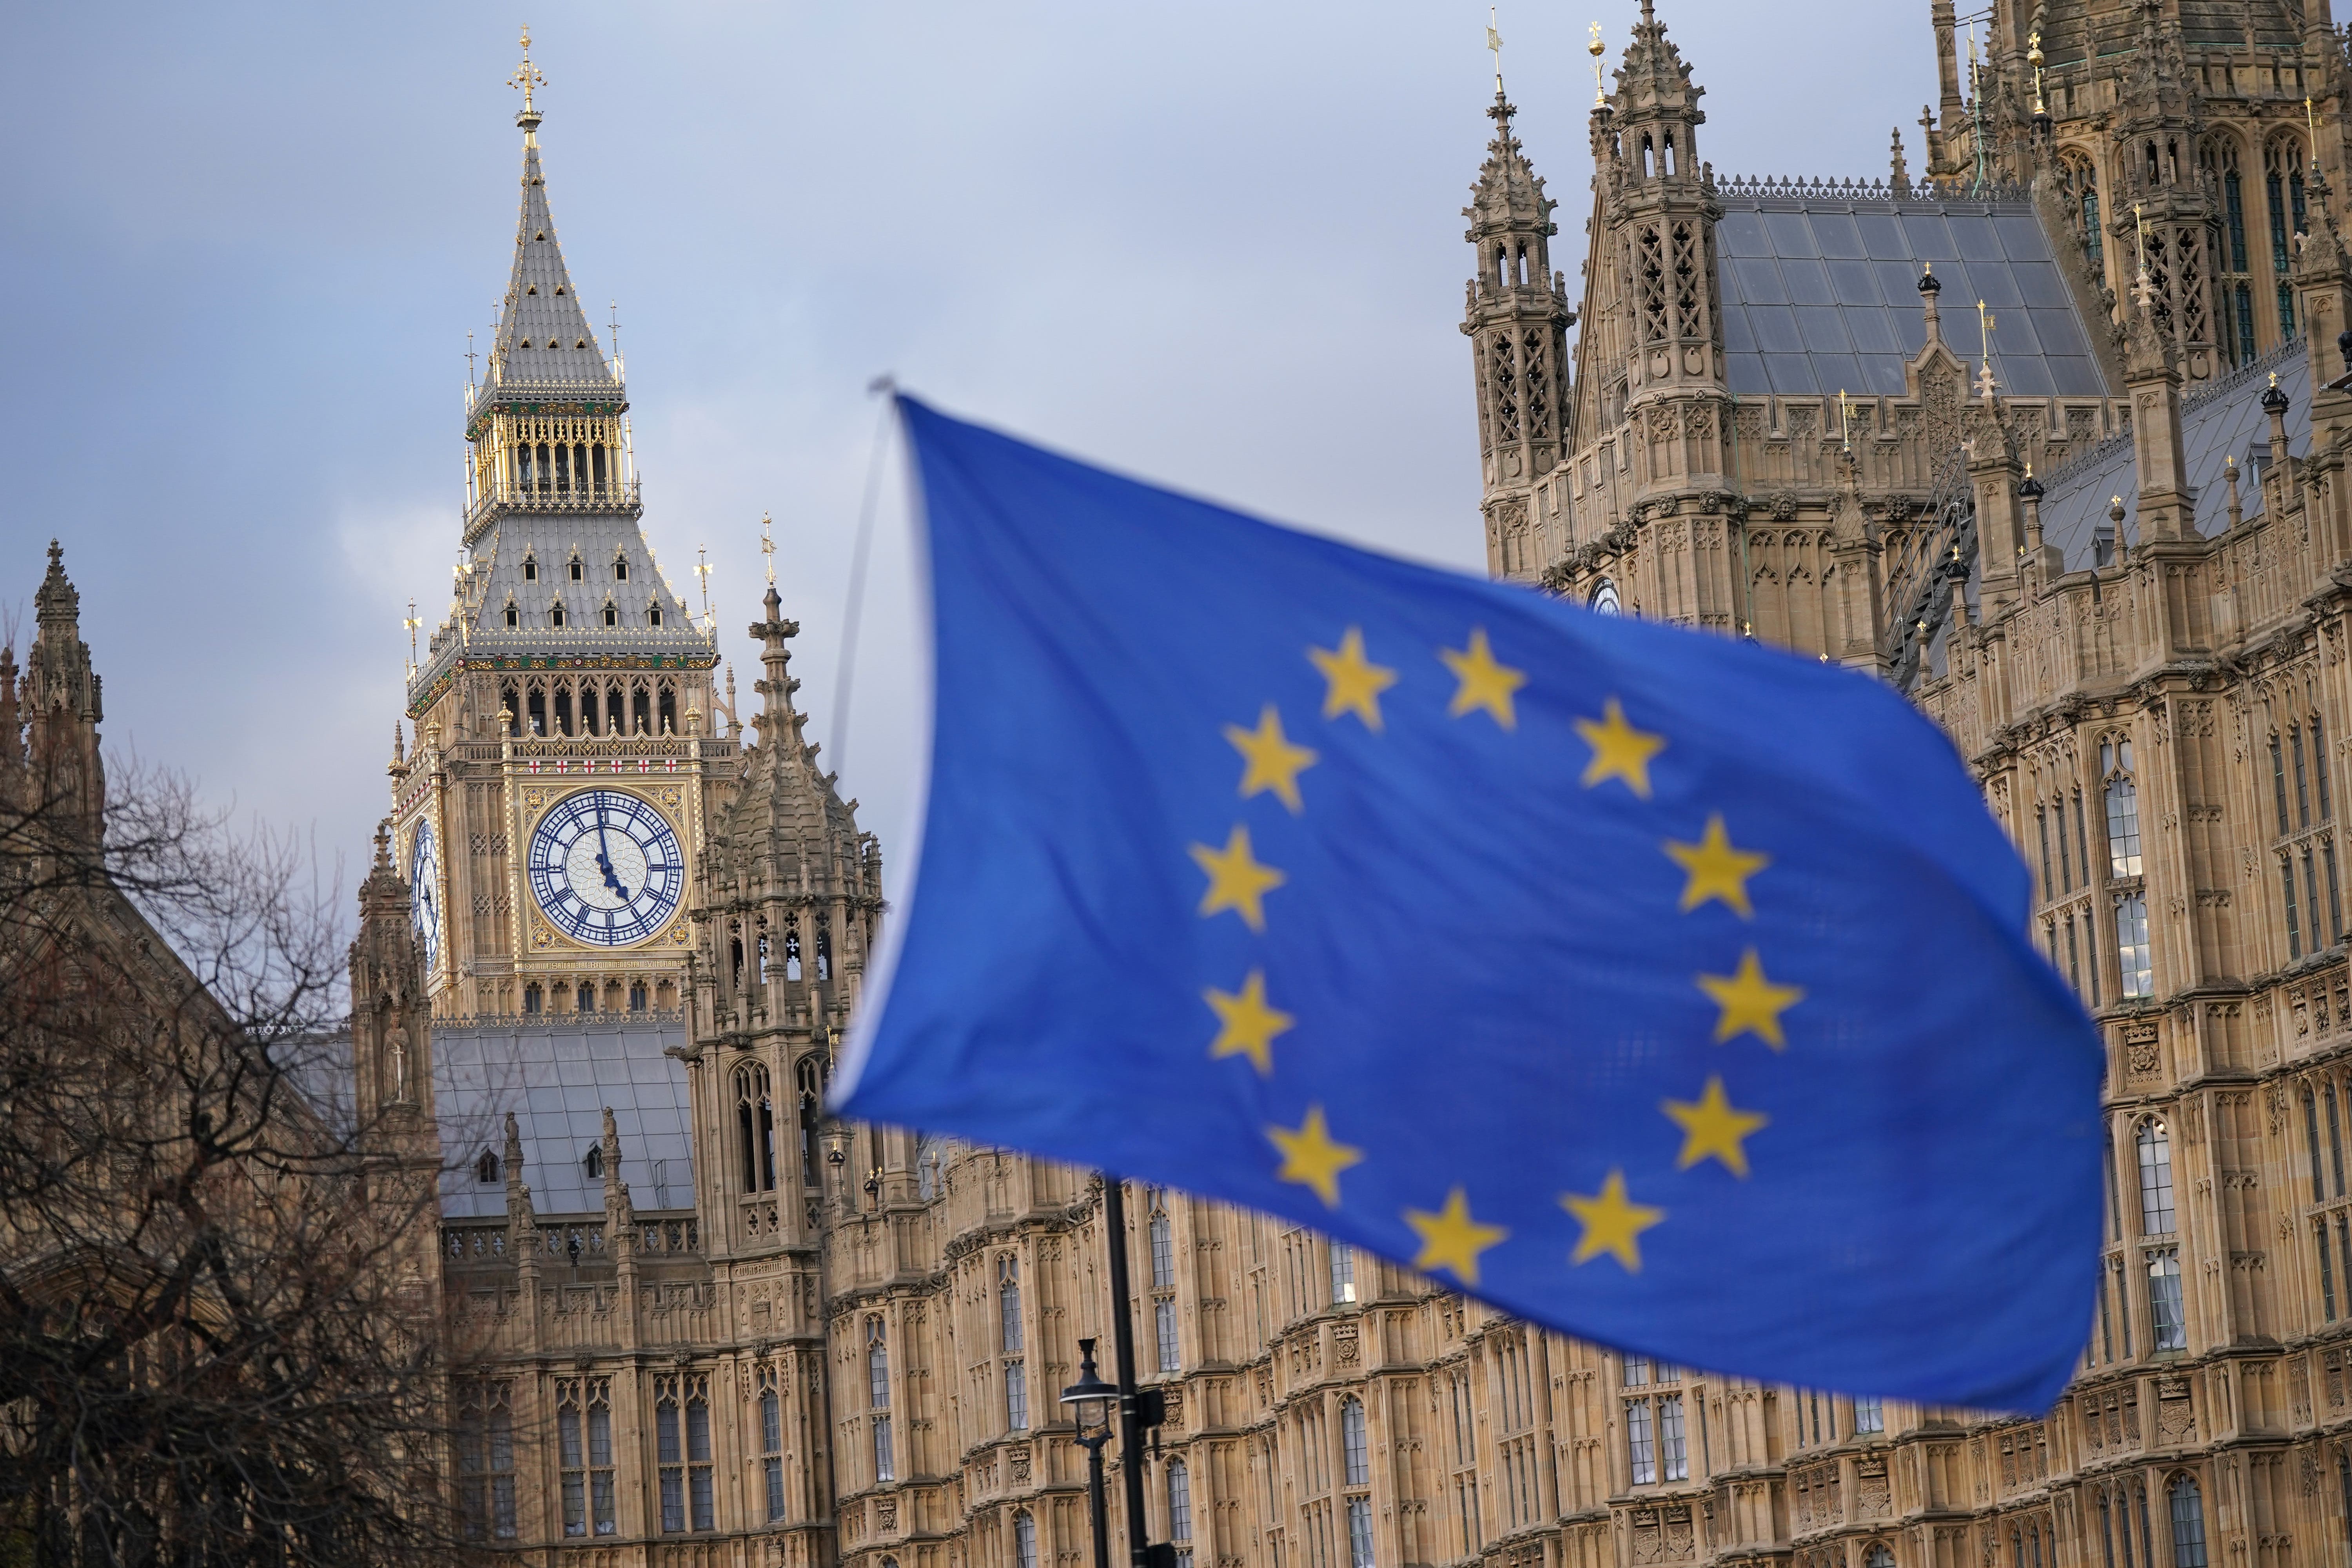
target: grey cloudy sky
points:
(1215, 243)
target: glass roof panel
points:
(1742, 234)
(1807, 282)
(1928, 237)
(1837, 373)
(1759, 280)
(1837, 235)
(1874, 333)
(1853, 284)
(2039, 283)
(1776, 328)
(1973, 233)
(2028, 376)
(1791, 234)
(2059, 332)
(2013, 334)
(1881, 235)
(1736, 337)
(1823, 327)
(1883, 373)
(1792, 374)
(1745, 375)
(1898, 281)
(2021, 236)
(1995, 286)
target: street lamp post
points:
(1139, 1409)
(1090, 1399)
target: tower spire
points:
(543, 335)
(527, 78)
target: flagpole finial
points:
(527, 77)
(768, 549)
(1494, 43)
(1597, 50)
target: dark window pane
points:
(1928, 237)
(1853, 283)
(2039, 283)
(1737, 337)
(1883, 373)
(1807, 282)
(1759, 280)
(1744, 374)
(1881, 235)
(1836, 235)
(1742, 234)
(1874, 333)
(1974, 235)
(1791, 234)
(1792, 374)
(1824, 330)
(1776, 328)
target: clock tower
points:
(565, 749)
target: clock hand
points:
(604, 859)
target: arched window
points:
(2188, 1523)
(2107, 1532)
(2080, 181)
(2123, 808)
(637, 995)
(584, 999)
(792, 951)
(2155, 1144)
(579, 572)
(1024, 1540)
(653, 616)
(877, 1398)
(620, 563)
(555, 614)
(927, 1167)
(1343, 1273)
(537, 712)
(2282, 185)
(823, 947)
(514, 615)
(1355, 1444)
(771, 1447)
(1009, 1341)
(530, 562)
(755, 1127)
(1164, 1283)
(486, 1169)
(612, 614)
(1879, 1556)
(530, 998)
(595, 1165)
(806, 1082)
(1180, 1507)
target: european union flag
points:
(1669, 991)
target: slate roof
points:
(544, 341)
(1820, 290)
(557, 1074)
(2225, 421)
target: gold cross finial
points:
(1494, 43)
(1596, 50)
(412, 623)
(768, 549)
(526, 77)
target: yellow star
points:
(1274, 762)
(1311, 1158)
(1250, 1025)
(1355, 683)
(1451, 1239)
(1712, 1128)
(1618, 750)
(1484, 683)
(1751, 1005)
(1612, 1223)
(1236, 880)
(1717, 870)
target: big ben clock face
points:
(605, 867)
(424, 894)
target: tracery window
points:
(1024, 1540)
(755, 1127)
(2188, 1523)
(486, 1169)
(1869, 1415)
(1343, 1273)
(2155, 1145)
(810, 1086)
(682, 1444)
(1180, 1509)
(1009, 1341)
(2168, 1326)
(1163, 1280)
(584, 1440)
(2283, 184)
(877, 1398)
(2081, 182)
(771, 1441)
(486, 1464)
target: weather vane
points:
(527, 77)
(768, 549)
(1596, 50)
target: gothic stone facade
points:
(820, 1342)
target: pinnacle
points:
(543, 334)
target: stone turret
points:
(63, 706)
(392, 1021)
(1516, 318)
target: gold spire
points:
(2033, 58)
(1596, 49)
(527, 77)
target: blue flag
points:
(1666, 990)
